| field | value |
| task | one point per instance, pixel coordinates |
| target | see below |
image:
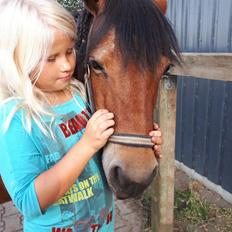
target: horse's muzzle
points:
(129, 170)
(125, 188)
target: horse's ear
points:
(162, 4)
(94, 6)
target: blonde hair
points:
(27, 31)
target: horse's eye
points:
(98, 68)
(168, 69)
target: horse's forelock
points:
(143, 33)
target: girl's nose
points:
(65, 65)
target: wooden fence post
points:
(162, 189)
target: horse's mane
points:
(143, 33)
(84, 20)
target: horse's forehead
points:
(106, 46)
(108, 53)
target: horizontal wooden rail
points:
(213, 66)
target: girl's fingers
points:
(106, 124)
(102, 123)
(107, 133)
(104, 120)
(98, 114)
(155, 134)
(157, 149)
(103, 117)
(157, 140)
(156, 126)
(99, 118)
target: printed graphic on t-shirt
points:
(84, 205)
(75, 123)
(83, 199)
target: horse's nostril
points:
(117, 175)
(125, 186)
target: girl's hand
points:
(157, 139)
(99, 129)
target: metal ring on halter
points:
(117, 138)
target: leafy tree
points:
(72, 5)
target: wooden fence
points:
(213, 66)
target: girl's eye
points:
(51, 59)
(70, 51)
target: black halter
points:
(117, 138)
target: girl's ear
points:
(162, 4)
(94, 6)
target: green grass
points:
(146, 202)
(191, 213)
(189, 207)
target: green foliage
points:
(188, 206)
(146, 203)
(72, 5)
(192, 213)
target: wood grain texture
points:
(163, 186)
(213, 66)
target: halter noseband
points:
(117, 138)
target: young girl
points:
(55, 180)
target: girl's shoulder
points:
(10, 111)
(11, 106)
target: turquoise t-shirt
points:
(87, 206)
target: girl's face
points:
(59, 66)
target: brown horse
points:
(124, 48)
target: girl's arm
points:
(52, 184)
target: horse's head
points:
(129, 47)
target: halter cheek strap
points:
(89, 90)
(132, 140)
